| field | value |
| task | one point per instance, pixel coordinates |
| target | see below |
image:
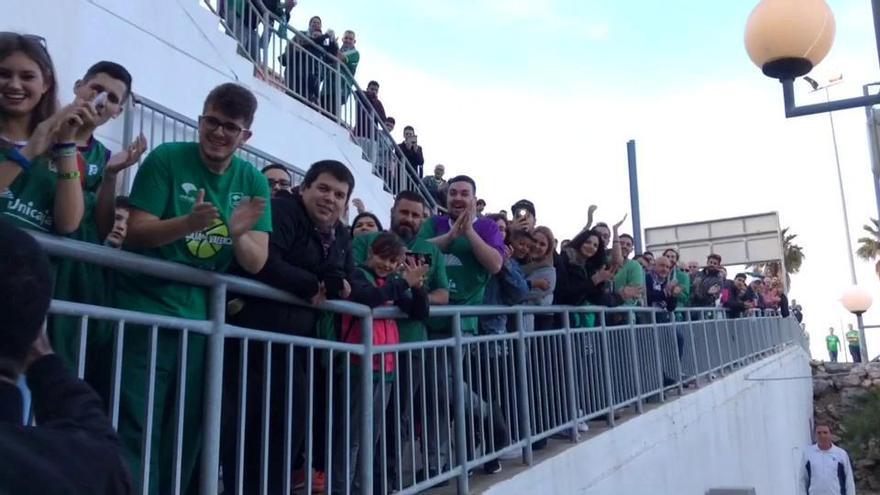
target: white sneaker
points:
(583, 427)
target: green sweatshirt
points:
(630, 274)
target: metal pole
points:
(849, 249)
(459, 411)
(213, 391)
(873, 118)
(367, 442)
(863, 344)
(634, 195)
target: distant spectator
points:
(855, 346)
(200, 205)
(832, 343)
(797, 311)
(646, 259)
(679, 277)
(629, 281)
(279, 178)
(734, 296)
(412, 151)
(305, 58)
(365, 127)
(541, 275)
(74, 449)
(660, 293)
(755, 294)
(390, 123)
(707, 283)
(350, 57)
(481, 206)
(524, 218)
(583, 275)
(436, 184)
(365, 223)
(825, 468)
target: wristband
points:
(62, 146)
(15, 156)
(64, 152)
(68, 175)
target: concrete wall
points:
(743, 430)
(177, 54)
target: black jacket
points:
(73, 450)
(296, 264)
(574, 283)
(412, 301)
(414, 156)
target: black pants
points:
(856, 353)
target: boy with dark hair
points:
(74, 449)
(708, 283)
(200, 205)
(108, 86)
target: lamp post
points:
(787, 38)
(857, 300)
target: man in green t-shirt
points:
(832, 343)
(108, 86)
(855, 348)
(351, 57)
(629, 281)
(474, 251)
(200, 205)
(407, 216)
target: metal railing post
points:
(657, 354)
(606, 366)
(366, 448)
(636, 368)
(460, 419)
(569, 376)
(213, 390)
(127, 138)
(523, 386)
(689, 324)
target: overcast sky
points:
(537, 99)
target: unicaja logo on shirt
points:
(206, 244)
(190, 192)
(26, 211)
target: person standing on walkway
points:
(825, 467)
(832, 342)
(855, 348)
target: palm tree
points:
(869, 249)
(793, 255)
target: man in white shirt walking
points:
(825, 467)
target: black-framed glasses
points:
(212, 123)
(279, 182)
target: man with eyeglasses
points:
(279, 179)
(199, 205)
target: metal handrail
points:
(338, 76)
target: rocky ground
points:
(839, 392)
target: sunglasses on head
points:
(33, 37)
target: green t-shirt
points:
(630, 274)
(853, 338)
(29, 202)
(832, 342)
(352, 59)
(467, 279)
(410, 330)
(167, 185)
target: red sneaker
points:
(319, 480)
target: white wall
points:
(744, 430)
(177, 54)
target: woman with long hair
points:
(40, 181)
(541, 276)
(584, 274)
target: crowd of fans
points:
(198, 204)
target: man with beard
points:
(707, 283)
(407, 216)
(474, 251)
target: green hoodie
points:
(630, 274)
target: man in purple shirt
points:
(474, 252)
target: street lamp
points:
(787, 38)
(857, 301)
